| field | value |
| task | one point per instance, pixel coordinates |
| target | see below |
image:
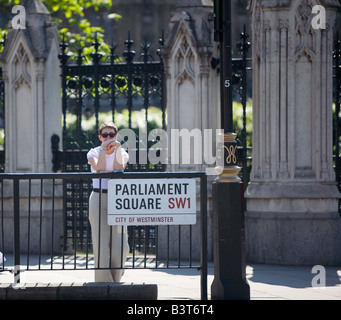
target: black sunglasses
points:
(111, 134)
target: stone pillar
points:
(33, 114)
(292, 199)
(192, 101)
(32, 91)
(192, 97)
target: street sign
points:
(151, 201)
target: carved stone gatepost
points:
(32, 91)
(292, 199)
(33, 114)
(192, 97)
(192, 101)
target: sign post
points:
(228, 213)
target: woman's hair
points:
(107, 124)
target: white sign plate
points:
(151, 201)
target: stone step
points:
(78, 291)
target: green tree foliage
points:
(73, 26)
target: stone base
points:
(301, 238)
(78, 291)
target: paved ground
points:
(267, 282)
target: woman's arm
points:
(120, 160)
(100, 163)
(121, 157)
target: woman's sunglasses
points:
(111, 134)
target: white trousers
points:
(2, 258)
(107, 241)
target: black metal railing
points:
(240, 69)
(111, 85)
(32, 234)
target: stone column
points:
(192, 101)
(32, 91)
(33, 114)
(292, 199)
(192, 97)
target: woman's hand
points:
(106, 143)
(112, 145)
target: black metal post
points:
(227, 190)
(16, 231)
(243, 47)
(96, 57)
(129, 56)
(78, 132)
(203, 224)
(63, 57)
(226, 68)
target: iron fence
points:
(107, 84)
(241, 67)
(31, 228)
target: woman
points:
(2, 258)
(109, 251)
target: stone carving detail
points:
(303, 13)
(22, 68)
(305, 45)
(185, 62)
(283, 24)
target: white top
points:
(94, 153)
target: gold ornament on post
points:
(229, 172)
